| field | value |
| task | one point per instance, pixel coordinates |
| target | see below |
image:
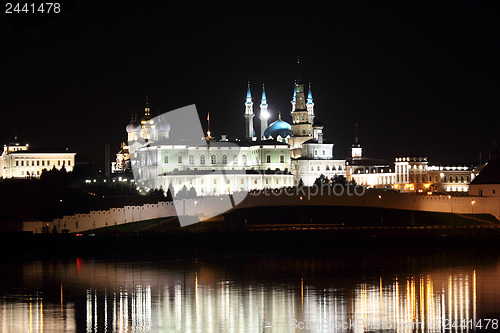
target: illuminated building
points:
(19, 161)
(281, 156)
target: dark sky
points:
(420, 78)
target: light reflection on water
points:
(323, 292)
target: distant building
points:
(487, 182)
(18, 161)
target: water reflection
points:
(283, 293)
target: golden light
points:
(429, 193)
(473, 202)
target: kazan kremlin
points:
(273, 156)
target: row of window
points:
(41, 162)
(449, 179)
(228, 181)
(327, 168)
(213, 159)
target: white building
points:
(18, 161)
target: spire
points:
(309, 95)
(356, 133)
(209, 134)
(298, 71)
(279, 115)
(249, 94)
(263, 100)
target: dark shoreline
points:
(363, 238)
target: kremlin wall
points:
(468, 207)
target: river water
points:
(390, 290)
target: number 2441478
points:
(32, 8)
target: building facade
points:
(19, 161)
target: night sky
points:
(419, 78)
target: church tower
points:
(264, 114)
(249, 132)
(301, 126)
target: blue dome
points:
(279, 127)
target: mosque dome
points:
(279, 127)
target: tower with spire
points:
(249, 131)
(301, 125)
(264, 114)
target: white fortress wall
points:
(209, 206)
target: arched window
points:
(191, 159)
(202, 159)
(224, 159)
(213, 159)
(244, 158)
(327, 167)
(235, 159)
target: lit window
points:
(235, 159)
(215, 181)
(244, 159)
(191, 159)
(242, 181)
